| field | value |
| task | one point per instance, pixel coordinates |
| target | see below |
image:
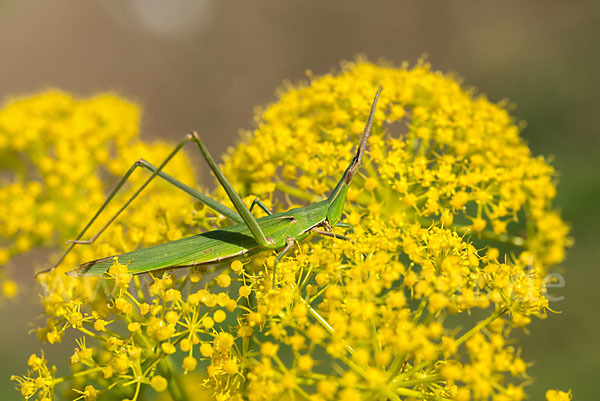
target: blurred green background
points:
(205, 64)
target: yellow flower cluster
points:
(451, 214)
(451, 233)
(39, 379)
(438, 155)
(56, 152)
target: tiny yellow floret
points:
(158, 383)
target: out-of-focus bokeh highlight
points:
(204, 65)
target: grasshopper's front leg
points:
(258, 202)
(290, 244)
(332, 235)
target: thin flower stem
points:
(90, 333)
(323, 322)
(317, 316)
(138, 288)
(459, 341)
(248, 342)
(480, 325)
(396, 365)
(175, 386)
(331, 331)
(419, 311)
(137, 390)
(78, 374)
(375, 394)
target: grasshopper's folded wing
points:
(210, 247)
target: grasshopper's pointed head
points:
(338, 196)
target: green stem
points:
(90, 333)
(396, 365)
(459, 341)
(359, 370)
(419, 311)
(175, 386)
(247, 343)
(138, 287)
(480, 326)
(323, 322)
(78, 374)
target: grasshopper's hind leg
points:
(156, 171)
(178, 184)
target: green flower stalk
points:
(452, 235)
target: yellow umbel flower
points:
(452, 234)
(437, 151)
(450, 213)
(53, 151)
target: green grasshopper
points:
(272, 232)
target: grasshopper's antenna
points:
(338, 195)
(364, 139)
